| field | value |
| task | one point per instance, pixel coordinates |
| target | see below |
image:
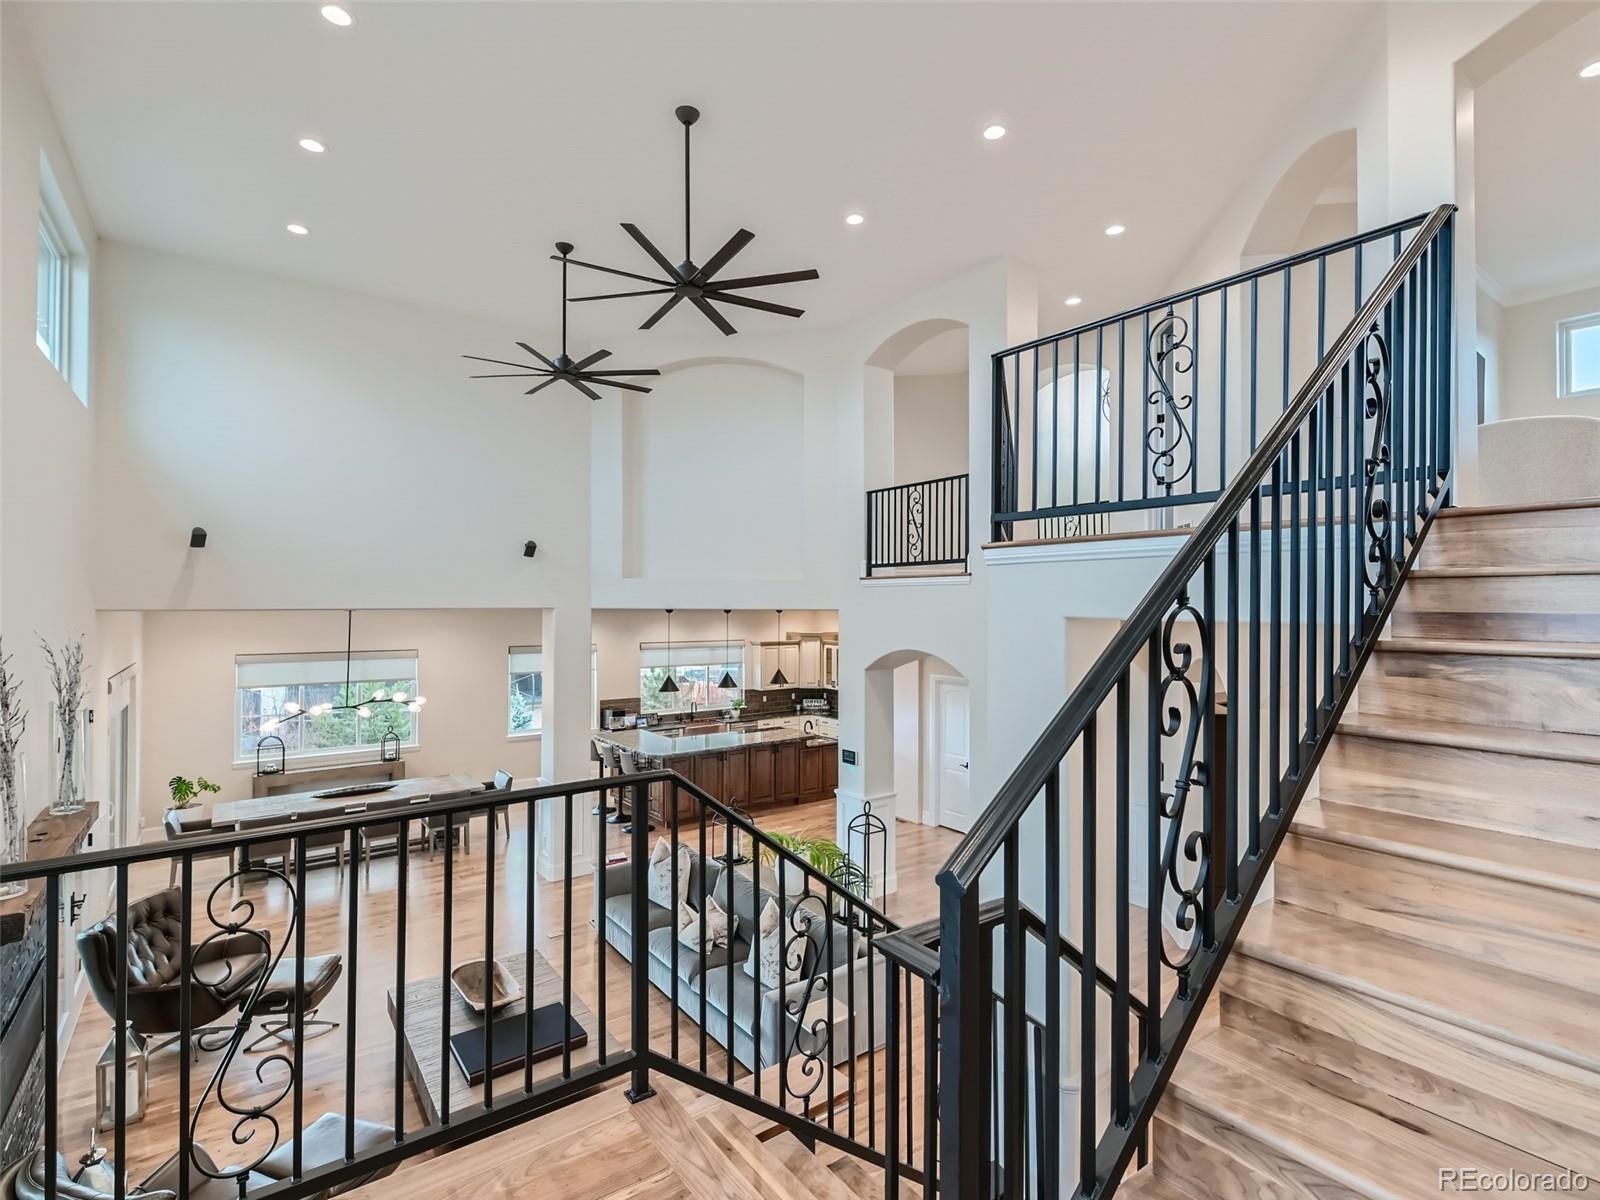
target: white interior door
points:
(953, 766)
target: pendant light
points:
(379, 697)
(727, 683)
(670, 685)
(779, 679)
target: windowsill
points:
(532, 736)
(334, 758)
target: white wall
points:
(46, 431)
(930, 426)
(186, 682)
(1528, 358)
(1492, 345)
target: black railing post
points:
(963, 1110)
(639, 969)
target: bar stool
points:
(600, 752)
(613, 763)
(628, 764)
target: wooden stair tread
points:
(1147, 1185)
(1341, 817)
(1503, 572)
(1363, 1141)
(1533, 743)
(811, 1171)
(1538, 1015)
(1417, 645)
(1497, 510)
(698, 1159)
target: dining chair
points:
(261, 852)
(337, 840)
(502, 783)
(371, 834)
(181, 825)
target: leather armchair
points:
(224, 969)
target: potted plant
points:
(825, 855)
(185, 790)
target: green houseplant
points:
(184, 790)
(825, 855)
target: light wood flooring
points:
(1417, 1012)
(921, 850)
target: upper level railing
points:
(226, 955)
(922, 524)
(1176, 799)
(1130, 417)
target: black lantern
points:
(866, 842)
(389, 746)
(277, 755)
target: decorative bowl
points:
(468, 981)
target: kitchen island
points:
(748, 765)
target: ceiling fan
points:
(698, 284)
(562, 367)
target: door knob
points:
(966, 766)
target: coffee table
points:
(426, 1048)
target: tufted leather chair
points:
(224, 968)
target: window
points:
(696, 667)
(1578, 355)
(50, 326)
(267, 684)
(524, 690)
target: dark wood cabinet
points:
(750, 777)
(735, 778)
(830, 768)
(811, 770)
(763, 781)
(786, 772)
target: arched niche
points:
(1313, 202)
(916, 399)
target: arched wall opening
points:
(916, 392)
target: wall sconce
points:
(529, 549)
(197, 538)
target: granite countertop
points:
(761, 732)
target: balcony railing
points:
(1141, 413)
(921, 524)
(220, 976)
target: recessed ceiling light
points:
(1591, 70)
(297, 229)
(854, 219)
(312, 145)
(335, 15)
(1116, 230)
(994, 133)
(1074, 301)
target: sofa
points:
(826, 1005)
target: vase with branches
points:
(66, 677)
(13, 723)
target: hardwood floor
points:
(599, 979)
(1419, 1006)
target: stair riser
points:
(1559, 538)
(1535, 797)
(1210, 1158)
(1537, 608)
(1540, 931)
(1557, 694)
(1523, 1099)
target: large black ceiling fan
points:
(562, 367)
(698, 284)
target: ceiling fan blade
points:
(713, 315)
(512, 375)
(632, 387)
(593, 358)
(671, 303)
(542, 386)
(649, 248)
(660, 291)
(606, 374)
(582, 387)
(783, 310)
(720, 259)
(504, 363)
(537, 355)
(614, 271)
(763, 280)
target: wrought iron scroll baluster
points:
(1379, 569)
(1170, 440)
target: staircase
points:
(1422, 994)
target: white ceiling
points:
(465, 138)
(1538, 167)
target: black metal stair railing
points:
(225, 964)
(1179, 760)
(922, 524)
(1152, 410)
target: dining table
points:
(316, 803)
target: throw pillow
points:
(765, 952)
(658, 876)
(689, 925)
